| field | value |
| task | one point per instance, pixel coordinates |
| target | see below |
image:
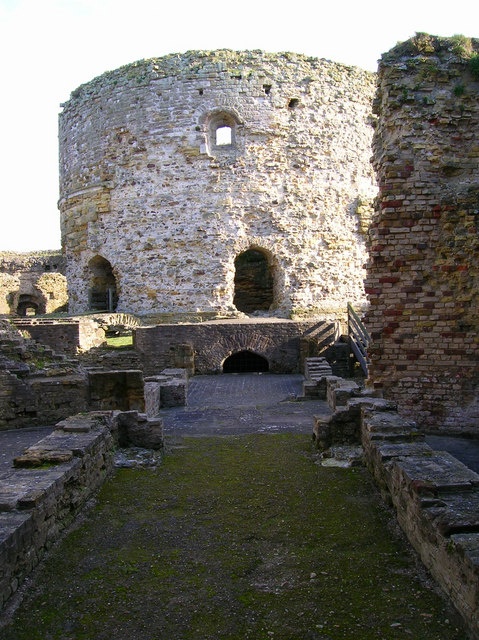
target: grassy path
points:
(234, 538)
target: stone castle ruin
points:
(423, 275)
(237, 188)
(32, 283)
(218, 183)
(226, 206)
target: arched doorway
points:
(28, 305)
(102, 293)
(245, 362)
(253, 282)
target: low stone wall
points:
(51, 482)
(202, 348)
(68, 336)
(45, 491)
(435, 497)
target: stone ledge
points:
(38, 502)
(436, 499)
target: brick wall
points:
(423, 273)
(67, 336)
(202, 348)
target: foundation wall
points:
(202, 348)
(36, 504)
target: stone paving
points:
(14, 442)
(235, 404)
(243, 403)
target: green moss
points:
(235, 538)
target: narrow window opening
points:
(293, 103)
(200, 91)
(223, 136)
(267, 88)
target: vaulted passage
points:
(102, 294)
(28, 306)
(245, 362)
(253, 282)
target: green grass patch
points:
(119, 341)
(235, 538)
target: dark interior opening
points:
(27, 306)
(103, 294)
(245, 362)
(253, 282)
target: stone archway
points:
(28, 305)
(102, 292)
(245, 362)
(254, 281)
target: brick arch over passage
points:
(213, 354)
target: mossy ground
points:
(234, 538)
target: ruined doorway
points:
(103, 291)
(245, 362)
(253, 282)
(28, 306)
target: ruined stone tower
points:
(215, 183)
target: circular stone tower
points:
(218, 183)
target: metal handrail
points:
(359, 339)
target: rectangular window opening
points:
(223, 136)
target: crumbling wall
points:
(32, 280)
(146, 186)
(423, 274)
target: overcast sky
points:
(49, 47)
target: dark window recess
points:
(245, 362)
(267, 88)
(253, 282)
(293, 103)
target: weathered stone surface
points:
(36, 504)
(430, 475)
(32, 282)
(422, 272)
(456, 513)
(138, 150)
(68, 335)
(138, 430)
(277, 340)
(116, 390)
(436, 499)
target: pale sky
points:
(50, 47)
